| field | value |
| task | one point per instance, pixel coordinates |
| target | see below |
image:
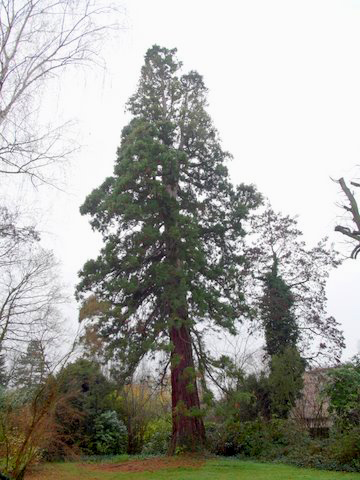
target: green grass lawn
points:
(214, 469)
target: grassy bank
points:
(221, 469)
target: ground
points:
(182, 468)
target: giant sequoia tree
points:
(171, 221)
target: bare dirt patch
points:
(149, 464)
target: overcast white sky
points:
(284, 93)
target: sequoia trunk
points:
(188, 427)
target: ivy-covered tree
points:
(287, 284)
(281, 338)
(281, 330)
(171, 220)
(285, 381)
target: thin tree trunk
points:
(188, 427)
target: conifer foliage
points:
(171, 221)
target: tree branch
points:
(353, 209)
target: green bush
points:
(157, 436)
(343, 391)
(283, 441)
(258, 439)
(345, 447)
(110, 435)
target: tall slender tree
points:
(171, 221)
(288, 289)
(281, 338)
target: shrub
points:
(110, 435)
(157, 436)
(343, 391)
(259, 439)
(283, 441)
(345, 448)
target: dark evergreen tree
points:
(31, 368)
(171, 221)
(285, 381)
(85, 387)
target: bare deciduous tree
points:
(13, 234)
(29, 290)
(29, 295)
(353, 216)
(39, 39)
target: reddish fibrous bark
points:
(188, 426)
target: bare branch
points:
(39, 40)
(29, 297)
(353, 209)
